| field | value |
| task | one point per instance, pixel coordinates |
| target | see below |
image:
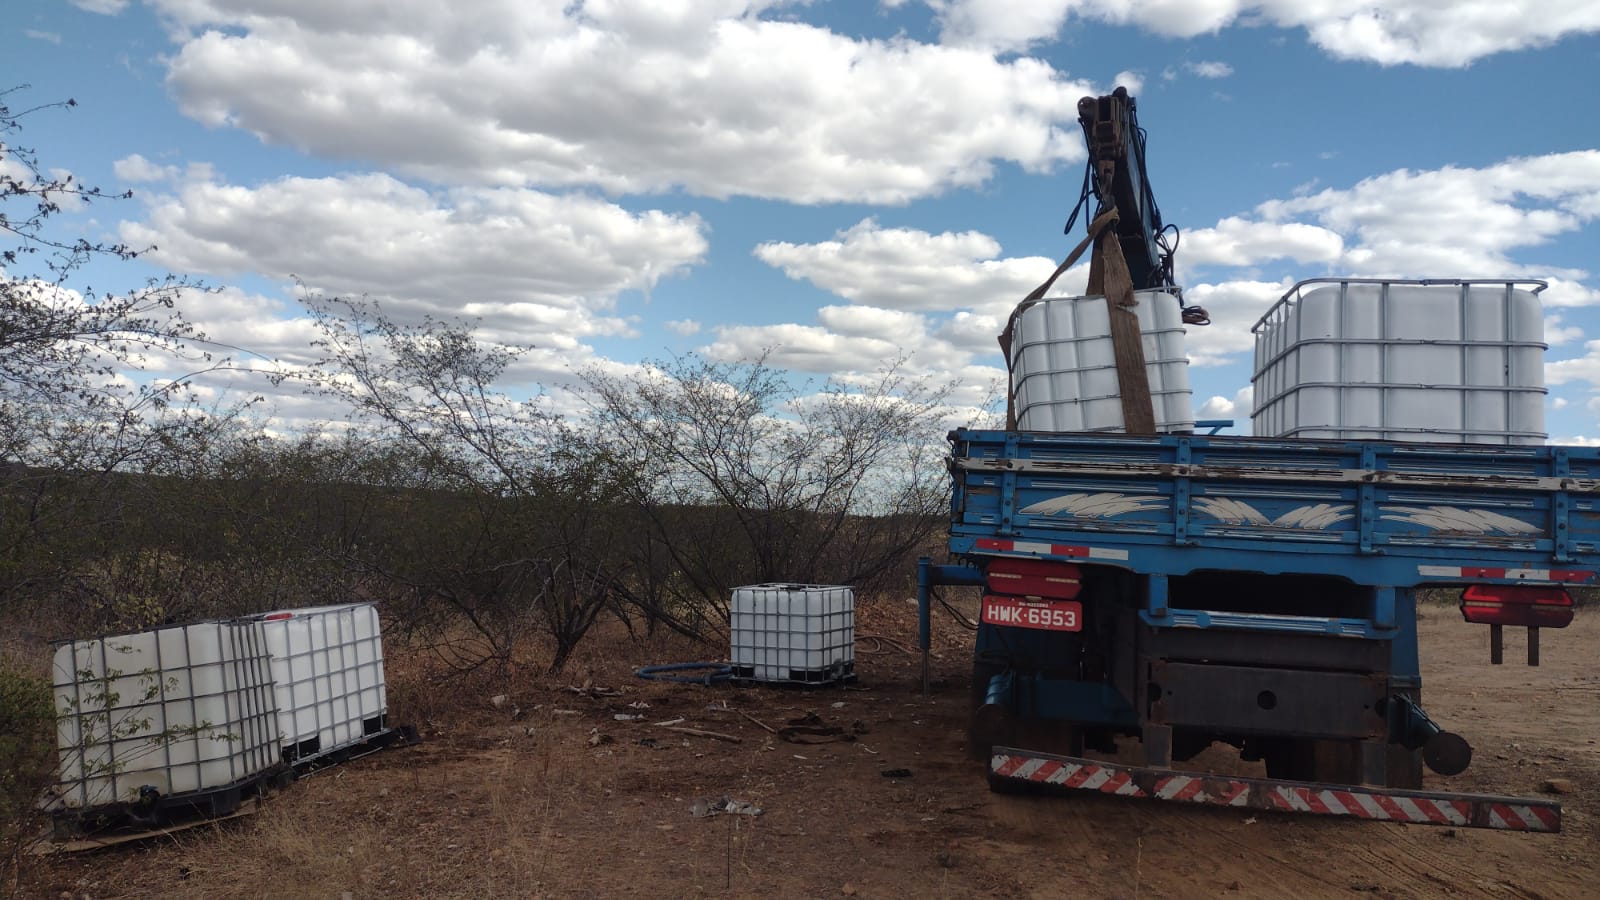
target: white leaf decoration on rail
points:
(1233, 512)
(1457, 520)
(1093, 506)
(1315, 517)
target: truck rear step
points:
(1019, 767)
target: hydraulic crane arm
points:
(1117, 176)
(1130, 249)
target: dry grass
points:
(287, 850)
(498, 802)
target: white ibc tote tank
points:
(1452, 361)
(181, 710)
(1064, 369)
(793, 632)
(327, 663)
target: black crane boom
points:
(1117, 176)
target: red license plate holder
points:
(1029, 612)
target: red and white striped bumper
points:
(1416, 807)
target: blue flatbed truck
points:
(1186, 591)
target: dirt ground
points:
(552, 796)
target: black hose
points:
(960, 617)
(719, 672)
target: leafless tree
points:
(747, 479)
(70, 415)
(522, 533)
(61, 344)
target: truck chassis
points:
(1186, 590)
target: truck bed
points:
(1378, 513)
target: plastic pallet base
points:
(399, 736)
(295, 753)
(836, 675)
(49, 843)
(169, 811)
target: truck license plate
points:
(1049, 615)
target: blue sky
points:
(836, 183)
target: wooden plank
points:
(700, 732)
(1099, 226)
(1127, 343)
(765, 727)
(46, 846)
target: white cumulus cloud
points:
(1487, 222)
(1234, 308)
(532, 268)
(1237, 242)
(700, 95)
(906, 268)
(1448, 33)
(103, 7)
(1211, 69)
(1237, 408)
(136, 168)
(1582, 368)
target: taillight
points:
(1034, 578)
(1519, 605)
(277, 617)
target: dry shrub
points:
(26, 754)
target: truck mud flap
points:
(1014, 767)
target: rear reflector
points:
(1517, 605)
(1034, 578)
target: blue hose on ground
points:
(719, 672)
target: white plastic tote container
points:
(178, 710)
(327, 663)
(794, 632)
(1457, 361)
(1064, 368)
